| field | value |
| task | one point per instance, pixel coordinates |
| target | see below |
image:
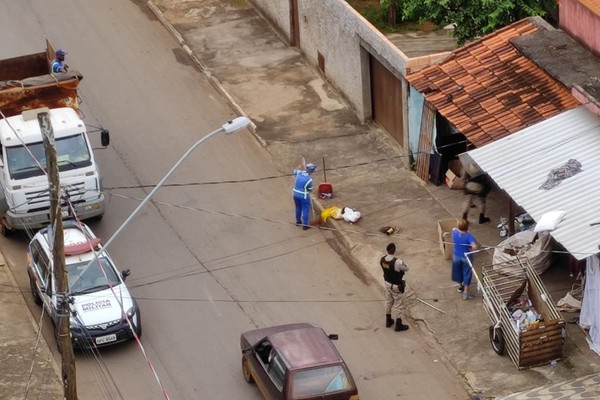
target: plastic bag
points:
(350, 214)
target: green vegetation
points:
(472, 18)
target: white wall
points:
(338, 32)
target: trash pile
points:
(524, 315)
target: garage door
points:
(386, 99)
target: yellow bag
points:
(334, 212)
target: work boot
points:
(483, 219)
(399, 326)
(389, 321)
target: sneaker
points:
(305, 227)
(460, 289)
(468, 296)
(298, 223)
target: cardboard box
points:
(453, 175)
(445, 236)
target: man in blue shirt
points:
(303, 185)
(58, 64)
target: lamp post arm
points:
(229, 127)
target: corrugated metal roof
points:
(488, 89)
(521, 163)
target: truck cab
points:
(24, 187)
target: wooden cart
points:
(503, 286)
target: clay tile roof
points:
(593, 5)
(488, 89)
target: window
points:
(72, 152)
(320, 380)
(99, 275)
(263, 350)
(41, 262)
(277, 372)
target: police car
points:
(102, 311)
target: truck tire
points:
(497, 340)
(6, 231)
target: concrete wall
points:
(581, 23)
(341, 35)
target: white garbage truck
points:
(26, 89)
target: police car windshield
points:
(100, 275)
(72, 152)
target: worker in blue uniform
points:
(58, 64)
(303, 185)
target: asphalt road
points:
(208, 260)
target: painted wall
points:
(581, 23)
(336, 31)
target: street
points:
(216, 253)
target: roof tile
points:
(488, 89)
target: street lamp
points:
(230, 126)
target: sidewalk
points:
(20, 356)
(297, 114)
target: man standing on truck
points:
(58, 64)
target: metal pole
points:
(63, 327)
(229, 127)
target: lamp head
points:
(236, 124)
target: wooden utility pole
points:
(63, 325)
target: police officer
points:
(393, 272)
(303, 185)
(476, 190)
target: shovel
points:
(325, 189)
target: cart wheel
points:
(497, 340)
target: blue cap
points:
(61, 53)
(310, 168)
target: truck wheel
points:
(34, 292)
(246, 370)
(6, 231)
(497, 340)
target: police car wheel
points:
(497, 340)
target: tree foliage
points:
(473, 18)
